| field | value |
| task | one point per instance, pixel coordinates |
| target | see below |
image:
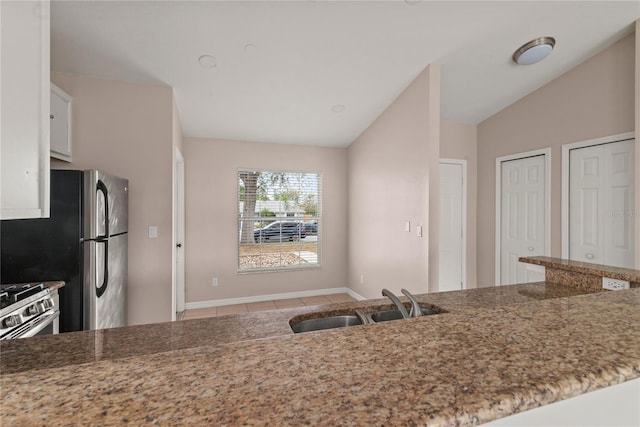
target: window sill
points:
(279, 270)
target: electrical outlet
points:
(214, 281)
(614, 284)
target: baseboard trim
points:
(270, 297)
(354, 294)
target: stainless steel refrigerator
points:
(84, 243)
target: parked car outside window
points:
(311, 227)
(280, 231)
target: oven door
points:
(44, 324)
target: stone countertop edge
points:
(463, 368)
(619, 273)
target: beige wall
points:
(460, 141)
(390, 173)
(590, 101)
(212, 212)
(126, 130)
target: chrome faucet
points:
(387, 293)
(364, 317)
(416, 311)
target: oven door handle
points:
(41, 325)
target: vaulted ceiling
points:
(319, 72)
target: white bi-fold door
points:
(522, 217)
(452, 219)
(601, 202)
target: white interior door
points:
(522, 214)
(601, 202)
(178, 227)
(452, 219)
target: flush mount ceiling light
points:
(208, 61)
(338, 108)
(534, 51)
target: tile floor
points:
(199, 313)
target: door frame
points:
(463, 163)
(178, 276)
(546, 152)
(566, 148)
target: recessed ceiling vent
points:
(534, 51)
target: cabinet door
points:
(24, 112)
(60, 124)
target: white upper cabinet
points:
(24, 112)
(60, 124)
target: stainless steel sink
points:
(363, 316)
(325, 323)
(386, 315)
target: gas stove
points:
(26, 310)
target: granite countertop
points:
(619, 273)
(91, 346)
(496, 351)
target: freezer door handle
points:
(103, 188)
(105, 264)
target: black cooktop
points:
(10, 294)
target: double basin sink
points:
(359, 317)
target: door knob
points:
(179, 245)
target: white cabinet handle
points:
(589, 256)
(531, 248)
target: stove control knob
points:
(11, 321)
(46, 304)
(34, 309)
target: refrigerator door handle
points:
(105, 264)
(103, 188)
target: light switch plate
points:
(407, 226)
(419, 231)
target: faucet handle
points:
(387, 293)
(416, 311)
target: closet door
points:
(522, 217)
(601, 202)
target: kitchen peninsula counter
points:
(496, 351)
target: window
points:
(279, 220)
